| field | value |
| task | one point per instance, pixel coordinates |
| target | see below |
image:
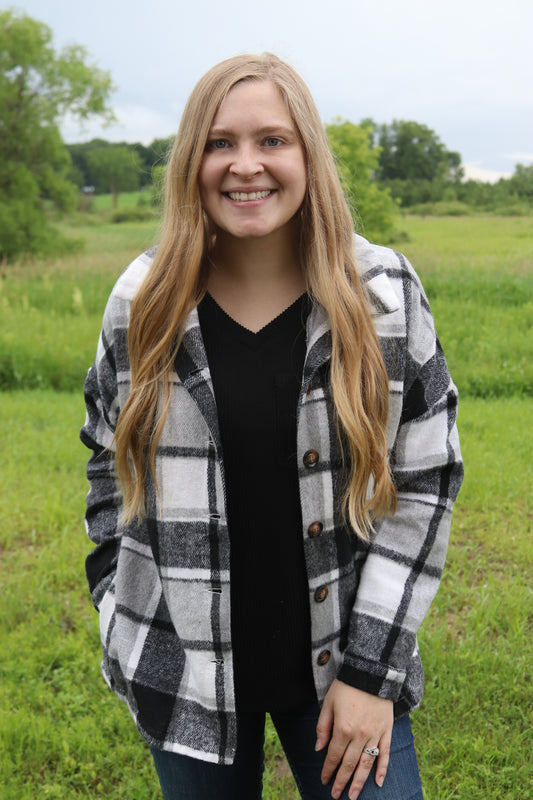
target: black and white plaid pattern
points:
(162, 586)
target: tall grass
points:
(478, 274)
(62, 734)
(52, 310)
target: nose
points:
(246, 163)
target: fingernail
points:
(380, 781)
(318, 744)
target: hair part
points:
(176, 283)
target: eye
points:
(273, 141)
(217, 144)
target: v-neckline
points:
(266, 331)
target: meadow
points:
(62, 734)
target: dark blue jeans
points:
(185, 778)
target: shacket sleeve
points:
(406, 556)
(104, 499)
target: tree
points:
(521, 182)
(37, 88)
(373, 209)
(413, 163)
(154, 156)
(114, 168)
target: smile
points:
(244, 196)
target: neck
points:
(257, 261)
(255, 279)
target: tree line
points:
(403, 160)
(383, 167)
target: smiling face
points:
(252, 180)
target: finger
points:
(324, 726)
(334, 756)
(351, 760)
(366, 762)
(382, 762)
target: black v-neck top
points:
(257, 379)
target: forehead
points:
(253, 102)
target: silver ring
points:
(372, 751)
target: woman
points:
(267, 385)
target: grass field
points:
(62, 734)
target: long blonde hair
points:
(176, 282)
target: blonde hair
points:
(177, 279)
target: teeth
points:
(242, 196)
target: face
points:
(252, 180)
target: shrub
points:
(452, 208)
(134, 214)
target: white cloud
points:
(474, 172)
(520, 158)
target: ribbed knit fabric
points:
(256, 379)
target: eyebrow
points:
(269, 130)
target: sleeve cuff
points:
(385, 682)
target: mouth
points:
(244, 197)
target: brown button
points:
(311, 458)
(321, 593)
(323, 658)
(315, 529)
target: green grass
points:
(104, 202)
(478, 274)
(62, 733)
(473, 730)
(52, 311)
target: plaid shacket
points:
(162, 585)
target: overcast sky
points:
(462, 67)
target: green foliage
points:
(410, 151)
(509, 196)
(37, 87)
(115, 168)
(413, 163)
(445, 208)
(136, 213)
(148, 158)
(521, 182)
(373, 209)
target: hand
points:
(351, 720)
